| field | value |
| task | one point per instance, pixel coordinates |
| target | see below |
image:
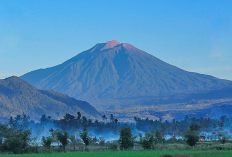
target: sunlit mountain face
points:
(115, 75)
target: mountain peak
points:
(111, 44)
(13, 79)
(16, 94)
(113, 73)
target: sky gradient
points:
(194, 35)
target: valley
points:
(202, 108)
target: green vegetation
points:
(126, 140)
(17, 137)
(86, 138)
(15, 140)
(192, 134)
(63, 139)
(189, 153)
(147, 142)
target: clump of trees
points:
(16, 137)
(178, 127)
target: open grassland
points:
(202, 149)
(182, 153)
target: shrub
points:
(147, 142)
(166, 155)
(191, 137)
(113, 146)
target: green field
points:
(190, 153)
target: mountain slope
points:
(17, 96)
(110, 72)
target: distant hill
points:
(110, 74)
(17, 97)
(212, 103)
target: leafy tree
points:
(51, 130)
(63, 138)
(16, 140)
(15, 134)
(191, 137)
(11, 121)
(102, 141)
(46, 142)
(54, 135)
(43, 118)
(158, 136)
(111, 117)
(113, 146)
(78, 115)
(194, 127)
(147, 142)
(126, 139)
(223, 139)
(162, 131)
(173, 139)
(13, 144)
(104, 118)
(116, 122)
(95, 140)
(86, 138)
(84, 121)
(69, 117)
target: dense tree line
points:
(216, 127)
(22, 135)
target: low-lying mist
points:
(108, 129)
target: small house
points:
(202, 138)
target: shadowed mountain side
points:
(221, 93)
(110, 72)
(17, 96)
(197, 108)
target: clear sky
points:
(195, 35)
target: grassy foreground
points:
(179, 153)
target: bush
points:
(13, 144)
(113, 146)
(220, 148)
(223, 139)
(17, 141)
(147, 142)
(191, 137)
(166, 155)
(46, 142)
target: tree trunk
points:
(64, 149)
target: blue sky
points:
(194, 35)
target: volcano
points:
(111, 73)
